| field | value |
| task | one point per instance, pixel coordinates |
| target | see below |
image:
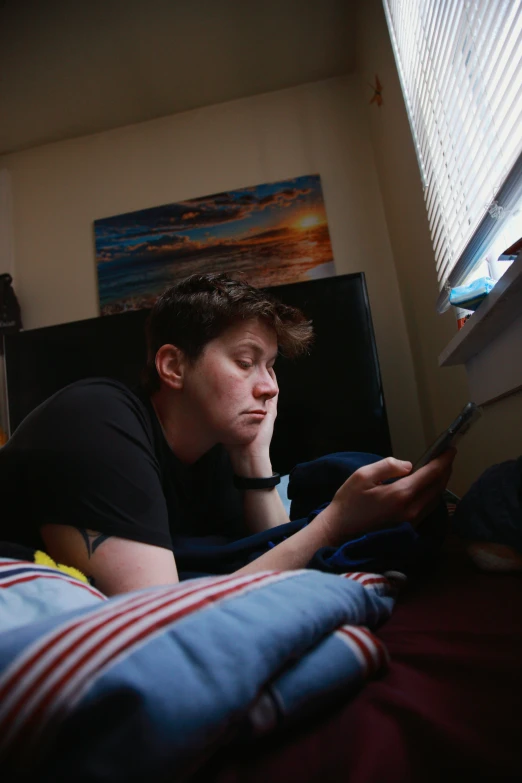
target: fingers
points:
(427, 486)
(369, 497)
(445, 459)
(383, 470)
(424, 505)
(438, 468)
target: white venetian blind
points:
(459, 62)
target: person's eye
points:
(244, 363)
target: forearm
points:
(298, 549)
(263, 509)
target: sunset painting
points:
(268, 235)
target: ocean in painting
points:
(269, 235)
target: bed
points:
(249, 689)
(447, 704)
(447, 708)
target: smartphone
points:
(468, 416)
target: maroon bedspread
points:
(449, 707)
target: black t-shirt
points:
(94, 456)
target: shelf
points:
(501, 307)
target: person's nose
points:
(266, 385)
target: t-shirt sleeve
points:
(94, 465)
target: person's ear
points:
(170, 366)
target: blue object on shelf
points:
(470, 296)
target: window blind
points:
(459, 62)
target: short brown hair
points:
(199, 308)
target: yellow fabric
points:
(42, 558)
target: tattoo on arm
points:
(92, 539)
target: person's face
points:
(231, 387)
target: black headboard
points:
(331, 400)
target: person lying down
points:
(105, 478)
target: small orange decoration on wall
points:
(377, 92)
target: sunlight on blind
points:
(459, 63)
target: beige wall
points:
(442, 391)
(59, 189)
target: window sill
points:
(490, 342)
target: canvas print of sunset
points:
(272, 234)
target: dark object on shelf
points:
(514, 249)
(10, 315)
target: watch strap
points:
(244, 482)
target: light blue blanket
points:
(148, 684)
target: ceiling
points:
(75, 67)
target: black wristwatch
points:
(243, 482)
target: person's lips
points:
(258, 413)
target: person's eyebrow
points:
(247, 342)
